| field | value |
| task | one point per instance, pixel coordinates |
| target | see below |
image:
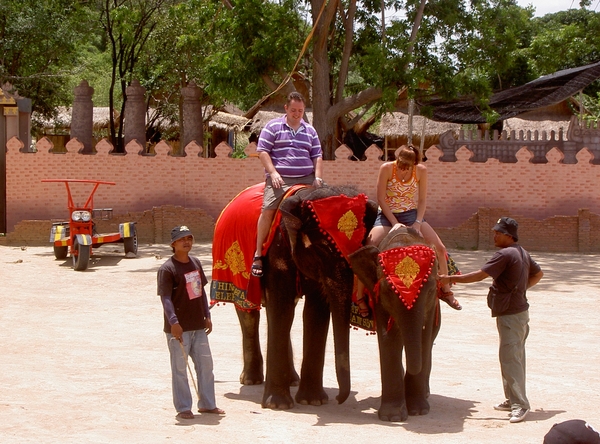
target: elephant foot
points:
(278, 402)
(417, 407)
(307, 397)
(251, 377)
(393, 412)
(295, 382)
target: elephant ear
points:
(370, 215)
(364, 264)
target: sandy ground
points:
(84, 360)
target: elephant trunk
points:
(411, 328)
(341, 340)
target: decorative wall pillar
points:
(82, 116)
(11, 114)
(192, 129)
(24, 106)
(135, 114)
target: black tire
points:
(130, 244)
(82, 256)
(61, 252)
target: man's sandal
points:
(363, 307)
(257, 269)
(447, 297)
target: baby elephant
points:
(402, 274)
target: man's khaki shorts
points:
(273, 196)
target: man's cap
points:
(574, 431)
(507, 225)
(179, 232)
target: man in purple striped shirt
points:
(290, 150)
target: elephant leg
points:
(416, 393)
(417, 386)
(316, 326)
(393, 401)
(253, 360)
(280, 371)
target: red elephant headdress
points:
(406, 269)
(341, 218)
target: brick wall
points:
(562, 196)
(558, 234)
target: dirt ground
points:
(84, 360)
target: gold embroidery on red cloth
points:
(348, 224)
(407, 270)
(235, 258)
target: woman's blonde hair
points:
(408, 155)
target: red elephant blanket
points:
(234, 243)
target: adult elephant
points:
(402, 274)
(307, 256)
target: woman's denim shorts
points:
(406, 218)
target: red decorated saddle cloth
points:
(234, 243)
(406, 269)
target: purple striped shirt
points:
(292, 152)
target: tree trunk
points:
(321, 95)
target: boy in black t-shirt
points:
(187, 323)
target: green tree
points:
(440, 47)
(40, 41)
(235, 54)
(128, 24)
(564, 40)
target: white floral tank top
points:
(400, 196)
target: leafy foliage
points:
(564, 40)
(239, 51)
(41, 43)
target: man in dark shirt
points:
(187, 323)
(513, 271)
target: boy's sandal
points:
(257, 269)
(446, 297)
(185, 415)
(363, 307)
(216, 411)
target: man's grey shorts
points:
(273, 196)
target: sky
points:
(543, 7)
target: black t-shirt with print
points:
(184, 282)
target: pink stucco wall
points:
(455, 189)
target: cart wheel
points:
(61, 252)
(131, 243)
(82, 256)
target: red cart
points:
(78, 236)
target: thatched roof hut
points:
(228, 122)
(394, 129)
(517, 124)
(545, 91)
(61, 123)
